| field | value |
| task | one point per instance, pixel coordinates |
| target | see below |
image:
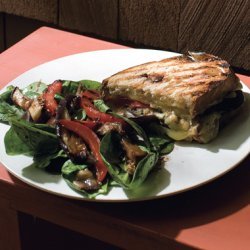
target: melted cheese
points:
(203, 129)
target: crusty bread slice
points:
(187, 84)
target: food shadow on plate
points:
(232, 135)
(157, 181)
(40, 175)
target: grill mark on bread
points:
(178, 80)
(190, 84)
(176, 70)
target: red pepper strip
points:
(92, 140)
(123, 101)
(50, 102)
(86, 103)
(133, 103)
(89, 124)
(137, 104)
(95, 114)
(90, 94)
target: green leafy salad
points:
(69, 129)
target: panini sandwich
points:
(193, 94)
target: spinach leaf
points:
(143, 168)
(154, 128)
(30, 140)
(91, 85)
(137, 128)
(69, 170)
(109, 155)
(6, 95)
(80, 114)
(44, 127)
(8, 112)
(52, 161)
(58, 97)
(14, 145)
(159, 139)
(167, 148)
(100, 105)
(34, 89)
(161, 145)
(69, 87)
(110, 149)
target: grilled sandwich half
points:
(191, 94)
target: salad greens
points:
(114, 150)
(69, 170)
(111, 149)
(37, 140)
(8, 111)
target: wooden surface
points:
(150, 22)
(43, 10)
(90, 16)
(38, 43)
(2, 45)
(25, 27)
(219, 27)
(214, 216)
(9, 228)
(87, 219)
(54, 237)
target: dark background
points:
(218, 27)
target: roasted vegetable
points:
(71, 143)
(93, 142)
(36, 109)
(49, 96)
(69, 129)
(20, 99)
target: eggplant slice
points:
(86, 180)
(36, 109)
(72, 144)
(110, 126)
(20, 99)
(133, 155)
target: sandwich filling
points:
(190, 94)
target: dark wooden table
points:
(214, 216)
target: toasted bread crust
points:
(187, 84)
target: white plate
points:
(189, 165)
